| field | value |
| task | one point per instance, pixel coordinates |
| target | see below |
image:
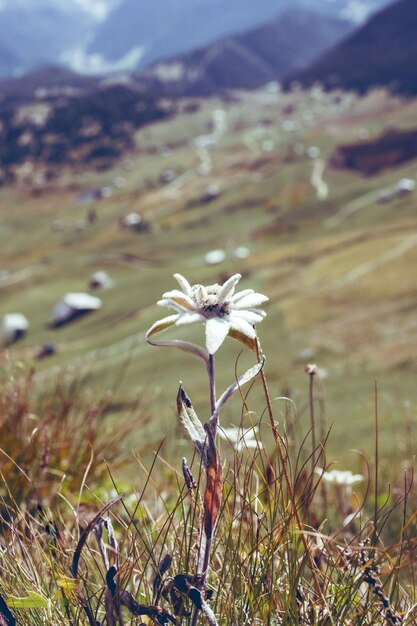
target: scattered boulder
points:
(45, 351)
(14, 326)
(214, 257)
(405, 186)
(384, 196)
(74, 305)
(79, 226)
(212, 192)
(134, 221)
(100, 280)
(167, 176)
(241, 252)
(119, 182)
(313, 152)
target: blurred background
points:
(277, 139)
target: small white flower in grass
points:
(240, 438)
(223, 311)
(338, 477)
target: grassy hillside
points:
(336, 264)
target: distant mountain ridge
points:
(383, 52)
(191, 24)
(100, 36)
(249, 60)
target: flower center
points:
(209, 305)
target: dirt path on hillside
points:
(321, 187)
(369, 266)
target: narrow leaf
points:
(191, 423)
(68, 584)
(32, 601)
(206, 609)
(242, 380)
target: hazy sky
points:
(98, 8)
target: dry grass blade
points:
(86, 532)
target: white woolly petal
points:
(176, 293)
(183, 283)
(171, 305)
(216, 332)
(189, 318)
(241, 294)
(176, 305)
(251, 300)
(162, 324)
(250, 316)
(228, 287)
(200, 294)
(242, 326)
(180, 298)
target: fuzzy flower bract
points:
(218, 307)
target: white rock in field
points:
(384, 196)
(214, 257)
(100, 280)
(73, 305)
(13, 327)
(212, 192)
(79, 226)
(132, 220)
(405, 186)
(241, 252)
(313, 152)
(268, 145)
(119, 182)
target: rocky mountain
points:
(254, 58)
(382, 52)
(135, 29)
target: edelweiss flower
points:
(217, 306)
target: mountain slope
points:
(254, 58)
(382, 52)
(186, 24)
(191, 24)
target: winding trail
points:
(321, 187)
(350, 209)
(369, 266)
(203, 143)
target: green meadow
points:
(337, 265)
